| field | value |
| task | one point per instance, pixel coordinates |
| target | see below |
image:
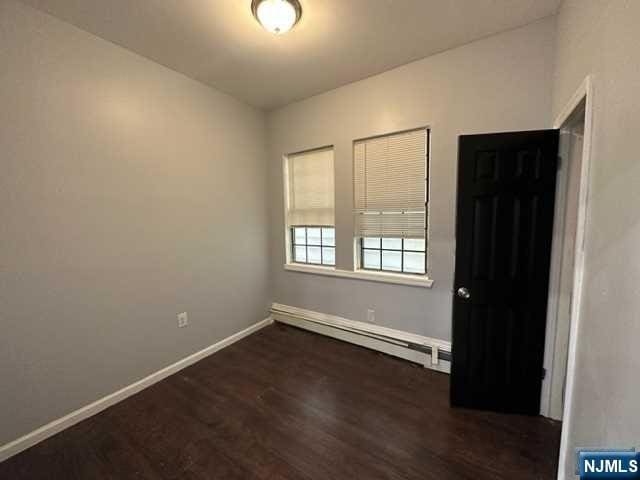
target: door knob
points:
(464, 293)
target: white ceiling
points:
(337, 41)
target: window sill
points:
(384, 277)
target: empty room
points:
(319, 239)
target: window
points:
(402, 255)
(315, 245)
(390, 201)
(310, 207)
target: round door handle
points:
(464, 293)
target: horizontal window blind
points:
(389, 178)
(311, 192)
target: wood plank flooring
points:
(289, 404)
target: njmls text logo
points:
(608, 464)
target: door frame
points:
(584, 93)
(555, 355)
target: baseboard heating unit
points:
(430, 352)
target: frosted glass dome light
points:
(277, 16)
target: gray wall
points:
(128, 193)
(602, 38)
(499, 83)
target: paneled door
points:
(505, 206)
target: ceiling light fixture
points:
(277, 16)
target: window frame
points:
(359, 241)
(293, 245)
(289, 240)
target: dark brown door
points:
(506, 192)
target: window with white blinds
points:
(310, 199)
(390, 185)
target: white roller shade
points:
(310, 183)
(389, 175)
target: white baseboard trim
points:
(383, 339)
(12, 448)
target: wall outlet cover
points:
(371, 316)
(183, 320)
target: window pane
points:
(299, 237)
(392, 261)
(314, 254)
(329, 236)
(328, 256)
(414, 262)
(313, 236)
(301, 254)
(414, 244)
(371, 243)
(371, 259)
(392, 243)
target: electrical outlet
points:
(183, 320)
(371, 316)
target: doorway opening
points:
(575, 123)
(561, 278)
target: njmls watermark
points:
(604, 463)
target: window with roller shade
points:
(390, 201)
(310, 207)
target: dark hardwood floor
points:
(289, 404)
